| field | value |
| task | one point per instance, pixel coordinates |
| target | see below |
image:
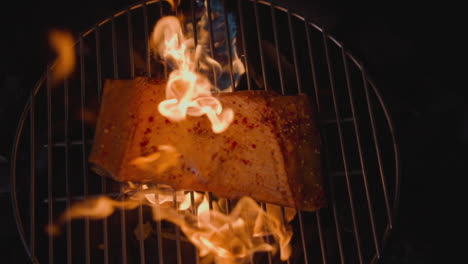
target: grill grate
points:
(282, 51)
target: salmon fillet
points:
(270, 152)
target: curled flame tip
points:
(188, 93)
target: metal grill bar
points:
(177, 233)
(194, 212)
(331, 185)
(293, 47)
(141, 241)
(130, 44)
(260, 48)
(228, 43)
(312, 65)
(341, 120)
(147, 48)
(296, 67)
(72, 143)
(228, 206)
(32, 155)
(304, 247)
(377, 150)
(50, 164)
(210, 201)
(159, 233)
(360, 152)
(320, 235)
(66, 102)
(161, 13)
(333, 206)
(194, 26)
(210, 28)
(194, 22)
(80, 198)
(267, 238)
(343, 154)
(123, 232)
(123, 229)
(244, 46)
(98, 61)
(377, 139)
(103, 179)
(278, 58)
(83, 138)
(140, 231)
(114, 49)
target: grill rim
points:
(142, 4)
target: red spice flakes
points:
(233, 145)
(244, 120)
(132, 116)
(144, 142)
(151, 118)
(236, 122)
(254, 146)
(252, 126)
(147, 131)
(167, 121)
(246, 162)
(319, 196)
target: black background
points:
(410, 48)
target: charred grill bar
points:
(281, 51)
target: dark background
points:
(410, 48)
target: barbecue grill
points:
(282, 51)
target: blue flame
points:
(220, 51)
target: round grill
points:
(282, 51)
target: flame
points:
(159, 161)
(187, 91)
(62, 43)
(231, 237)
(187, 202)
(224, 237)
(204, 206)
(174, 3)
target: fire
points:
(225, 237)
(62, 43)
(159, 161)
(187, 91)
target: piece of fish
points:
(270, 152)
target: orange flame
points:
(231, 237)
(187, 92)
(159, 161)
(226, 238)
(62, 43)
